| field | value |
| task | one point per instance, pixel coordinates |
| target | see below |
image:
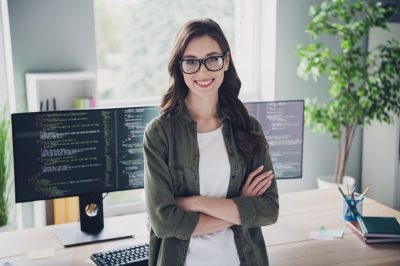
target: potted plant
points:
(4, 165)
(364, 85)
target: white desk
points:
(287, 241)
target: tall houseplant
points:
(363, 85)
(4, 165)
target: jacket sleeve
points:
(259, 210)
(166, 219)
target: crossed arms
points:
(220, 213)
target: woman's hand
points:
(257, 183)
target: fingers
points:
(264, 188)
(253, 174)
(257, 183)
(262, 191)
(260, 178)
(260, 185)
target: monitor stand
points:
(92, 227)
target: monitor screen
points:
(68, 153)
(282, 122)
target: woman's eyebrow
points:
(195, 57)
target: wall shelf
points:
(64, 87)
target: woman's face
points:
(204, 83)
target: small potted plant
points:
(4, 165)
(364, 85)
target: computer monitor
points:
(89, 152)
(80, 153)
(283, 125)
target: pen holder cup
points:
(348, 215)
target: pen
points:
(364, 192)
(352, 195)
(351, 206)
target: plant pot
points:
(328, 181)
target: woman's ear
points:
(227, 61)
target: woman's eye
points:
(191, 62)
(212, 59)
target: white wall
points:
(380, 169)
(50, 35)
(319, 150)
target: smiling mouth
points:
(204, 83)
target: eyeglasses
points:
(212, 63)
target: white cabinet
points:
(61, 87)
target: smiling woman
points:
(208, 176)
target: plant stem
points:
(338, 156)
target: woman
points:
(208, 174)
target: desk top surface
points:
(287, 241)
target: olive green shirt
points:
(172, 170)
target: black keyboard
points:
(135, 255)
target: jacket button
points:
(233, 177)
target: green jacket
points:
(172, 169)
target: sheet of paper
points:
(338, 233)
(316, 235)
(41, 253)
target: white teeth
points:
(204, 83)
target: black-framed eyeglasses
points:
(212, 63)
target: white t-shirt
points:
(216, 249)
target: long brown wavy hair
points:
(247, 141)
